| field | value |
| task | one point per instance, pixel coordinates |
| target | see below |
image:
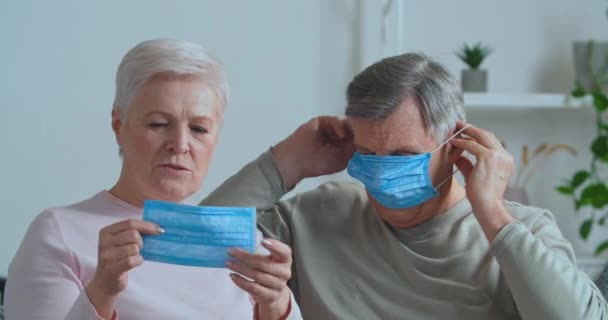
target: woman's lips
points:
(175, 167)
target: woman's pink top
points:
(58, 257)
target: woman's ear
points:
(116, 125)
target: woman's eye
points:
(199, 129)
(157, 124)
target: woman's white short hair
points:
(158, 56)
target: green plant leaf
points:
(578, 92)
(579, 178)
(578, 204)
(601, 198)
(473, 55)
(600, 101)
(599, 147)
(589, 192)
(595, 194)
(602, 221)
(585, 228)
(601, 248)
(568, 190)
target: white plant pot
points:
(594, 56)
(474, 80)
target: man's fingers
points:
(485, 138)
(264, 279)
(469, 145)
(465, 166)
(345, 131)
(455, 154)
(334, 131)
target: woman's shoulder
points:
(81, 217)
(69, 232)
(69, 211)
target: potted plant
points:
(474, 79)
(588, 187)
(590, 61)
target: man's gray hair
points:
(160, 56)
(379, 89)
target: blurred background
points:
(289, 61)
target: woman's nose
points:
(178, 141)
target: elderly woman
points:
(83, 261)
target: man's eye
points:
(157, 124)
(199, 129)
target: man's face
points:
(403, 133)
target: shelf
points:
(522, 101)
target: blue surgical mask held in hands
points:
(397, 182)
(197, 236)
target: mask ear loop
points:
(444, 143)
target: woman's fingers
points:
(259, 292)
(258, 276)
(127, 237)
(144, 227)
(127, 232)
(112, 254)
(269, 271)
(268, 274)
(262, 263)
(279, 251)
(128, 263)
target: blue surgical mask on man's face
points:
(197, 236)
(397, 182)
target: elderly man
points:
(413, 243)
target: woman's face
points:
(168, 137)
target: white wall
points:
(58, 61)
(532, 39)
